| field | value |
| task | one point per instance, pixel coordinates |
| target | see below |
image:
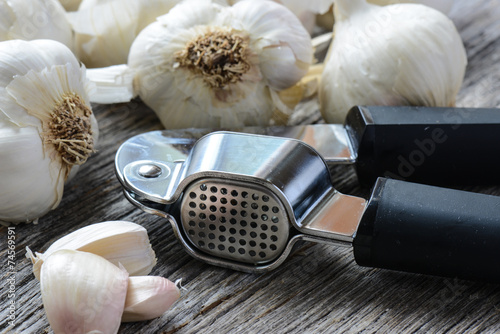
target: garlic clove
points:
(401, 54)
(82, 292)
(120, 242)
(148, 297)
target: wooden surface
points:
(319, 289)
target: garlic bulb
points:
(401, 54)
(105, 29)
(207, 65)
(47, 128)
(441, 5)
(120, 242)
(34, 19)
(148, 297)
(82, 292)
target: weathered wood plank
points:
(318, 290)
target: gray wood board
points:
(319, 289)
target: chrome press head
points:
(237, 200)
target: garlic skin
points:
(47, 128)
(34, 19)
(443, 6)
(148, 297)
(105, 29)
(70, 5)
(401, 54)
(122, 243)
(82, 293)
(179, 71)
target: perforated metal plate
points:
(234, 220)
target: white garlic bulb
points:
(34, 19)
(401, 54)
(207, 65)
(82, 292)
(47, 128)
(105, 29)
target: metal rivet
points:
(149, 171)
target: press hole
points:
(273, 247)
(234, 193)
(263, 236)
(254, 215)
(203, 206)
(264, 217)
(244, 205)
(253, 225)
(223, 200)
(233, 221)
(232, 230)
(221, 247)
(222, 210)
(212, 227)
(243, 223)
(252, 243)
(243, 213)
(201, 224)
(192, 214)
(254, 206)
(262, 254)
(264, 227)
(192, 195)
(275, 209)
(222, 229)
(222, 238)
(192, 223)
(211, 236)
(213, 199)
(274, 228)
(253, 235)
(265, 198)
(244, 194)
(202, 235)
(243, 232)
(263, 245)
(232, 240)
(232, 249)
(211, 245)
(222, 220)
(202, 216)
(213, 189)
(275, 219)
(201, 243)
(191, 232)
(252, 253)
(234, 202)
(223, 191)
(203, 197)
(213, 208)
(234, 212)
(241, 251)
(203, 187)
(274, 238)
(255, 197)
(265, 208)
(243, 242)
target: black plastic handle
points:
(430, 230)
(439, 146)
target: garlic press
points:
(243, 201)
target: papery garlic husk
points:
(34, 19)
(148, 297)
(120, 242)
(47, 128)
(401, 54)
(105, 29)
(207, 65)
(82, 293)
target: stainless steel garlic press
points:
(243, 201)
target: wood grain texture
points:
(319, 289)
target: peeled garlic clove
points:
(180, 74)
(82, 292)
(120, 242)
(401, 54)
(34, 19)
(46, 126)
(148, 297)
